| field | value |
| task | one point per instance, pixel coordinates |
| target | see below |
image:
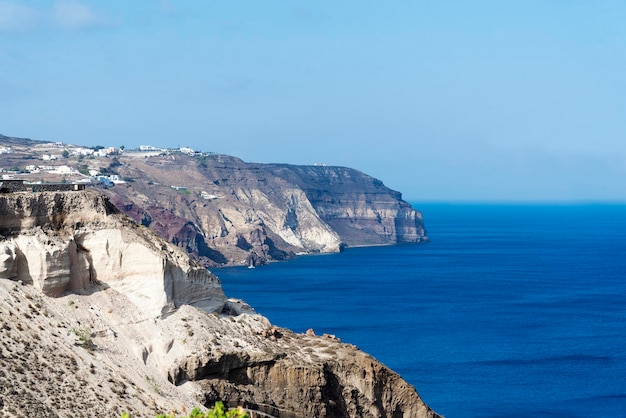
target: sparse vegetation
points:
(218, 412)
(153, 384)
(84, 338)
(84, 169)
(115, 163)
(202, 161)
(111, 169)
(18, 169)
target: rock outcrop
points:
(68, 241)
(99, 315)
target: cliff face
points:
(223, 211)
(358, 207)
(100, 315)
(228, 213)
(231, 212)
(61, 242)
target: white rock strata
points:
(155, 275)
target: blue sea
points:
(509, 311)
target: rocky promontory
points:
(224, 211)
(360, 208)
(99, 315)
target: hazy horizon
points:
(448, 101)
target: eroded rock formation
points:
(99, 315)
(226, 211)
(358, 207)
(62, 242)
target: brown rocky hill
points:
(99, 316)
(231, 212)
(224, 211)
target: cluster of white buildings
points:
(103, 152)
(60, 150)
(110, 181)
(59, 169)
(81, 151)
(186, 150)
(150, 148)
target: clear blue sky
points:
(442, 100)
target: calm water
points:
(510, 311)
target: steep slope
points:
(100, 315)
(356, 206)
(243, 220)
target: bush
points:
(84, 338)
(217, 412)
(84, 169)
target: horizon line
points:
(529, 202)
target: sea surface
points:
(509, 311)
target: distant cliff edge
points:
(226, 212)
(223, 211)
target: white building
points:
(104, 152)
(82, 151)
(116, 179)
(62, 169)
(209, 196)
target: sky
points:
(520, 101)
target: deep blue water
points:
(509, 311)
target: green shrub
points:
(84, 338)
(217, 412)
(84, 169)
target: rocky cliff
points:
(100, 315)
(61, 242)
(360, 208)
(225, 211)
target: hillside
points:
(224, 211)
